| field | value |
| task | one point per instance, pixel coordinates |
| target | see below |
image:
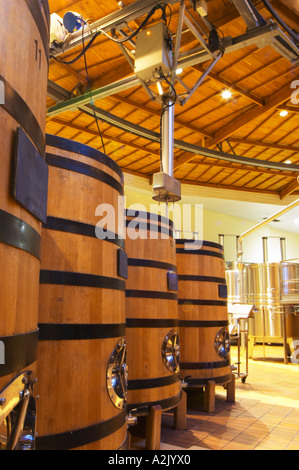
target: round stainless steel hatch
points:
(117, 375)
(171, 351)
(222, 343)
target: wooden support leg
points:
(251, 343)
(129, 439)
(231, 390)
(153, 428)
(209, 398)
(180, 413)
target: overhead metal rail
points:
(259, 33)
(116, 20)
(269, 35)
(205, 152)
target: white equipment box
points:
(58, 31)
(152, 51)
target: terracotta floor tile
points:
(265, 415)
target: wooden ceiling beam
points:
(254, 112)
(105, 135)
(216, 77)
(156, 112)
(289, 189)
(259, 143)
(227, 187)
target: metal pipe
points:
(265, 250)
(283, 249)
(262, 224)
(167, 139)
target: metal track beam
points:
(205, 152)
(109, 22)
(261, 37)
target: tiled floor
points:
(265, 415)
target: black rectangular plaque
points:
(30, 177)
(222, 290)
(172, 281)
(122, 264)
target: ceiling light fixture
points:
(226, 94)
(288, 162)
(284, 113)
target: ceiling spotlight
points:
(226, 94)
(284, 113)
(288, 162)
(178, 71)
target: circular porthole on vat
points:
(117, 375)
(171, 351)
(222, 343)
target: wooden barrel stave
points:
(202, 312)
(82, 303)
(23, 104)
(151, 313)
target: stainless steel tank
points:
(234, 286)
(289, 280)
(263, 291)
(289, 272)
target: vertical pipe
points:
(221, 239)
(168, 138)
(265, 250)
(283, 248)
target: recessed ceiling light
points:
(288, 162)
(179, 71)
(226, 94)
(284, 113)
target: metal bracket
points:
(17, 413)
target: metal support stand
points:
(241, 314)
(242, 340)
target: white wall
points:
(213, 223)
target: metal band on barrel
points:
(82, 168)
(80, 437)
(69, 332)
(79, 228)
(20, 352)
(22, 114)
(80, 279)
(83, 149)
(15, 232)
(142, 384)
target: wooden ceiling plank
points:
(104, 135)
(258, 143)
(267, 82)
(157, 112)
(289, 189)
(260, 126)
(256, 111)
(216, 77)
(234, 188)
